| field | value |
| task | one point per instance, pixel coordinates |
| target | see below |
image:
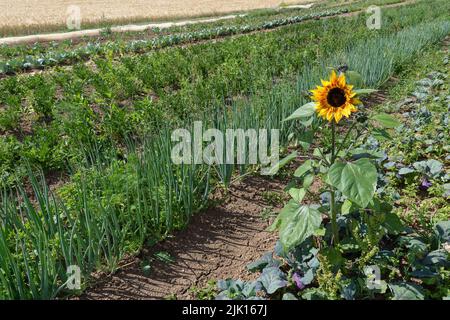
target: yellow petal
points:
(346, 111)
(330, 114)
(323, 112)
(333, 78)
(355, 101)
(341, 80)
(338, 115)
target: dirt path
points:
(217, 244)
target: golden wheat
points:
(34, 13)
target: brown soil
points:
(217, 244)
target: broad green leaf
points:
(393, 224)
(359, 153)
(442, 231)
(404, 171)
(416, 247)
(305, 111)
(305, 167)
(364, 91)
(430, 167)
(307, 121)
(308, 180)
(320, 232)
(280, 164)
(298, 223)
(346, 207)
(357, 180)
(380, 206)
(266, 260)
(288, 296)
(354, 78)
(314, 294)
(305, 138)
(437, 258)
(386, 120)
(250, 289)
(273, 279)
(297, 194)
(284, 215)
(381, 134)
(406, 291)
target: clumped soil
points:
(217, 244)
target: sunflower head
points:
(335, 98)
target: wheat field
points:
(34, 13)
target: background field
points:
(18, 14)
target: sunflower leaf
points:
(305, 111)
(273, 170)
(304, 168)
(357, 181)
(364, 91)
(296, 223)
(354, 78)
(297, 194)
(386, 120)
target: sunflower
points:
(335, 99)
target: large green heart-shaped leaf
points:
(280, 164)
(406, 291)
(304, 111)
(304, 168)
(386, 120)
(357, 180)
(364, 91)
(442, 231)
(354, 78)
(297, 223)
(266, 260)
(272, 279)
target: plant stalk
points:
(334, 226)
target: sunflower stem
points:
(341, 145)
(334, 226)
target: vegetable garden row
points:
(105, 125)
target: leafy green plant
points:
(208, 292)
(354, 180)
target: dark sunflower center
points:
(336, 97)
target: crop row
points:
(53, 119)
(139, 46)
(252, 18)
